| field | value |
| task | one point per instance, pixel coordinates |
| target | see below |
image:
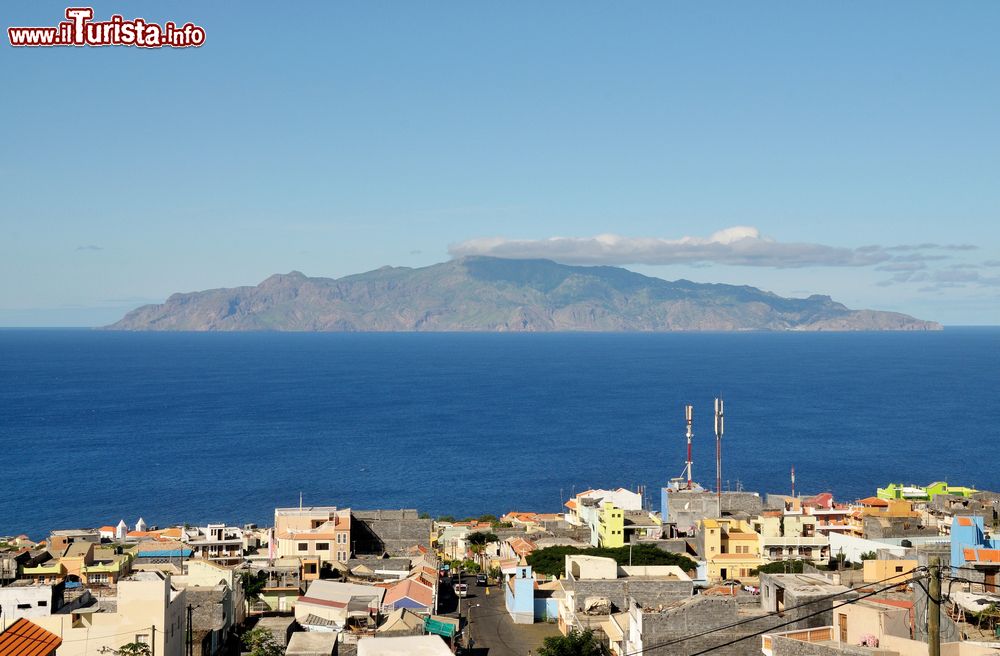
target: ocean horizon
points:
(98, 426)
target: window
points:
(322, 546)
(899, 568)
(142, 638)
(23, 606)
(303, 546)
(341, 555)
(43, 604)
(341, 538)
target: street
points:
(490, 630)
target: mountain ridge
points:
(486, 294)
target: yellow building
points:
(730, 547)
(611, 526)
(877, 571)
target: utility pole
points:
(934, 608)
(190, 631)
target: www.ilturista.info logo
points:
(80, 30)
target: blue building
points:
(968, 539)
(520, 594)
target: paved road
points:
(492, 631)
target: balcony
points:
(823, 634)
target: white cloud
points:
(737, 245)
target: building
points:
(216, 542)
(575, 508)
(688, 626)
(334, 606)
(212, 618)
(412, 594)
(801, 595)
(877, 570)
(610, 526)
(283, 584)
(146, 608)
(207, 574)
(682, 509)
(519, 594)
(730, 548)
(402, 622)
(314, 535)
(977, 554)
(791, 536)
(895, 491)
(59, 540)
(429, 645)
(379, 569)
(393, 532)
(28, 599)
(594, 588)
(312, 643)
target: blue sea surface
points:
(197, 427)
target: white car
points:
(461, 590)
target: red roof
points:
(899, 603)
(983, 555)
(874, 501)
(24, 638)
(410, 589)
(322, 602)
(823, 499)
(963, 521)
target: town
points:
(707, 571)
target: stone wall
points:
(393, 531)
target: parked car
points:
(461, 590)
(481, 580)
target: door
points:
(724, 573)
(842, 625)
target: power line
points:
(781, 613)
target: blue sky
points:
(345, 136)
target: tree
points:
(552, 560)
(261, 642)
(869, 555)
(133, 649)
(477, 545)
(253, 584)
(780, 567)
(482, 539)
(577, 643)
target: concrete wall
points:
(686, 509)
(852, 547)
(788, 647)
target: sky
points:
(841, 148)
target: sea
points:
(100, 426)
